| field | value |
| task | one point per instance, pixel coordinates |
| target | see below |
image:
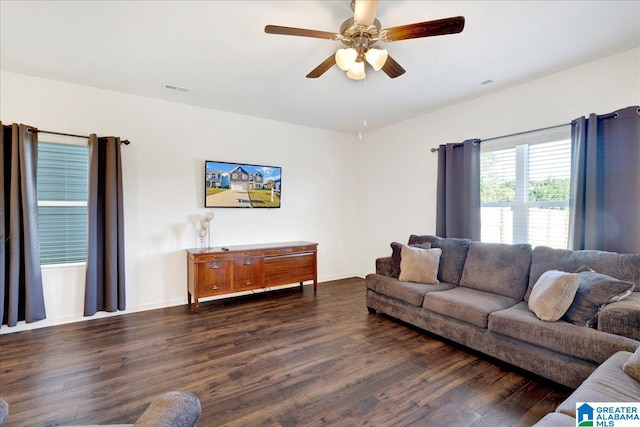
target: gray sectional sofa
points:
(481, 300)
(616, 380)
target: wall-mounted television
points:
(240, 185)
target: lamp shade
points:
(376, 58)
(356, 72)
(345, 58)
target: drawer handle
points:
(248, 283)
(247, 262)
(214, 266)
(215, 287)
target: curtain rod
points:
(433, 150)
(31, 130)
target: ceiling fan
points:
(360, 34)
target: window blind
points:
(525, 189)
(62, 202)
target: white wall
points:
(392, 209)
(163, 185)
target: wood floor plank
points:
(284, 358)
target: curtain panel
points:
(21, 293)
(105, 275)
(605, 186)
(458, 193)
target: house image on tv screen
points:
(245, 185)
(237, 179)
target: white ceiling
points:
(218, 49)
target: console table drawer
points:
(247, 273)
(291, 250)
(212, 257)
(213, 277)
(287, 268)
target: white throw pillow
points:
(419, 265)
(553, 294)
(632, 366)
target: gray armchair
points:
(172, 409)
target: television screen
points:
(238, 185)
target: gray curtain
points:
(458, 201)
(105, 279)
(605, 189)
(21, 294)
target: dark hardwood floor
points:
(287, 358)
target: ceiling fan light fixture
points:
(356, 72)
(376, 57)
(345, 58)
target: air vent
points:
(175, 87)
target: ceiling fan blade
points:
(364, 12)
(303, 32)
(392, 68)
(438, 27)
(322, 68)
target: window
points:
(524, 188)
(62, 202)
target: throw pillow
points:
(594, 292)
(553, 294)
(632, 366)
(419, 265)
(396, 256)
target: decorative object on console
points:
(205, 230)
(239, 185)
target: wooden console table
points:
(214, 271)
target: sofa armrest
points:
(384, 267)
(175, 408)
(622, 317)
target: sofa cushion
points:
(621, 266)
(498, 268)
(396, 256)
(622, 317)
(454, 254)
(594, 291)
(608, 383)
(632, 366)
(563, 337)
(409, 292)
(552, 294)
(469, 305)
